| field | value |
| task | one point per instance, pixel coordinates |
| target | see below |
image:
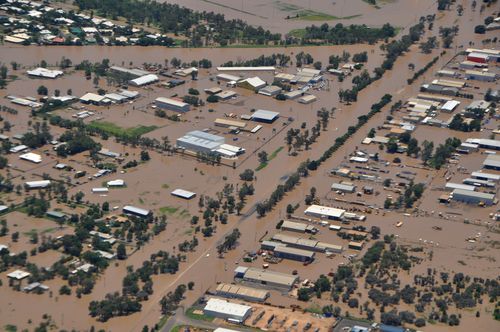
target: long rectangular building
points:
(324, 212)
(296, 254)
(172, 104)
(241, 292)
(473, 197)
(268, 277)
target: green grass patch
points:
(165, 186)
(311, 15)
(141, 200)
(269, 158)
(315, 309)
(184, 214)
(168, 210)
(190, 313)
(297, 33)
(163, 321)
(117, 131)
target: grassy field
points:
(117, 131)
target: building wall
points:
(171, 107)
(470, 199)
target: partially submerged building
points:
(172, 104)
(473, 197)
(232, 312)
(325, 212)
(45, 73)
(241, 292)
(265, 116)
(135, 211)
(266, 277)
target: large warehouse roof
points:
(325, 211)
(227, 308)
(270, 277)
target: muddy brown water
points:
(147, 184)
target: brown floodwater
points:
(150, 184)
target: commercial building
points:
(32, 157)
(479, 104)
(229, 123)
(294, 94)
(183, 72)
(492, 162)
(172, 104)
(479, 183)
(116, 183)
(45, 73)
(305, 244)
(452, 186)
(37, 184)
(226, 95)
(144, 80)
(480, 76)
(252, 83)
(296, 254)
(307, 99)
(473, 197)
(485, 176)
(131, 73)
(270, 90)
(266, 277)
(241, 292)
(293, 226)
(450, 106)
(183, 193)
(135, 211)
(264, 116)
(259, 68)
(228, 78)
(325, 212)
(199, 141)
(236, 313)
(94, 99)
(18, 274)
(478, 57)
(18, 148)
(343, 187)
(59, 216)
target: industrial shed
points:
(232, 312)
(293, 226)
(241, 292)
(472, 197)
(172, 104)
(144, 80)
(45, 73)
(183, 193)
(324, 212)
(492, 162)
(37, 184)
(296, 254)
(266, 277)
(270, 90)
(229, 123)
(199, 141)
(135, 211)
(343, 187)
(264, 116)
(252, 83)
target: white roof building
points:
(45, 73)
(183, 193)
(324, 212)
(116, 183)
(144, 80)
(227, 310)
(33, 157)
(18, 274)
(253, 82)
(18, 148)
(37, 184)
